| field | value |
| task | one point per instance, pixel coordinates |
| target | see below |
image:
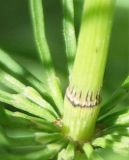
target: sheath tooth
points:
(74, 96)
(94, 102)
(68, 93)
(71, 90)
(83, 102)
(89, 95)
(77, 100)
(88, 104)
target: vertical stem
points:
(69, 30)
(83, 95)
(37, 14)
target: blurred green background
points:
(16, 37)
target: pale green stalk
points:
(83, 95)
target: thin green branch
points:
(69, 31)
(37, 14)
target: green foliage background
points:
(16, 37)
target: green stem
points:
(69, 31)
(82, 100)
(37, 15)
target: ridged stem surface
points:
(83, 95)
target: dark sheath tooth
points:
(71, 89)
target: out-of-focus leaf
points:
(29, 92)
(38, 124)
(50, 90)
(56, 93)
(120, 130)
(3, 139)
(21, 135)
(68, 153)
(88, 149)
(109, 153)
(96, 156)
(116, 98)
(90, 152)
(117, 143)
(119, 118)
(9, 64)
(80, 156)
(45, 138)
(24, 104)
(49, 152)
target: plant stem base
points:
(79, 122)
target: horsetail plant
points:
(35, 122)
